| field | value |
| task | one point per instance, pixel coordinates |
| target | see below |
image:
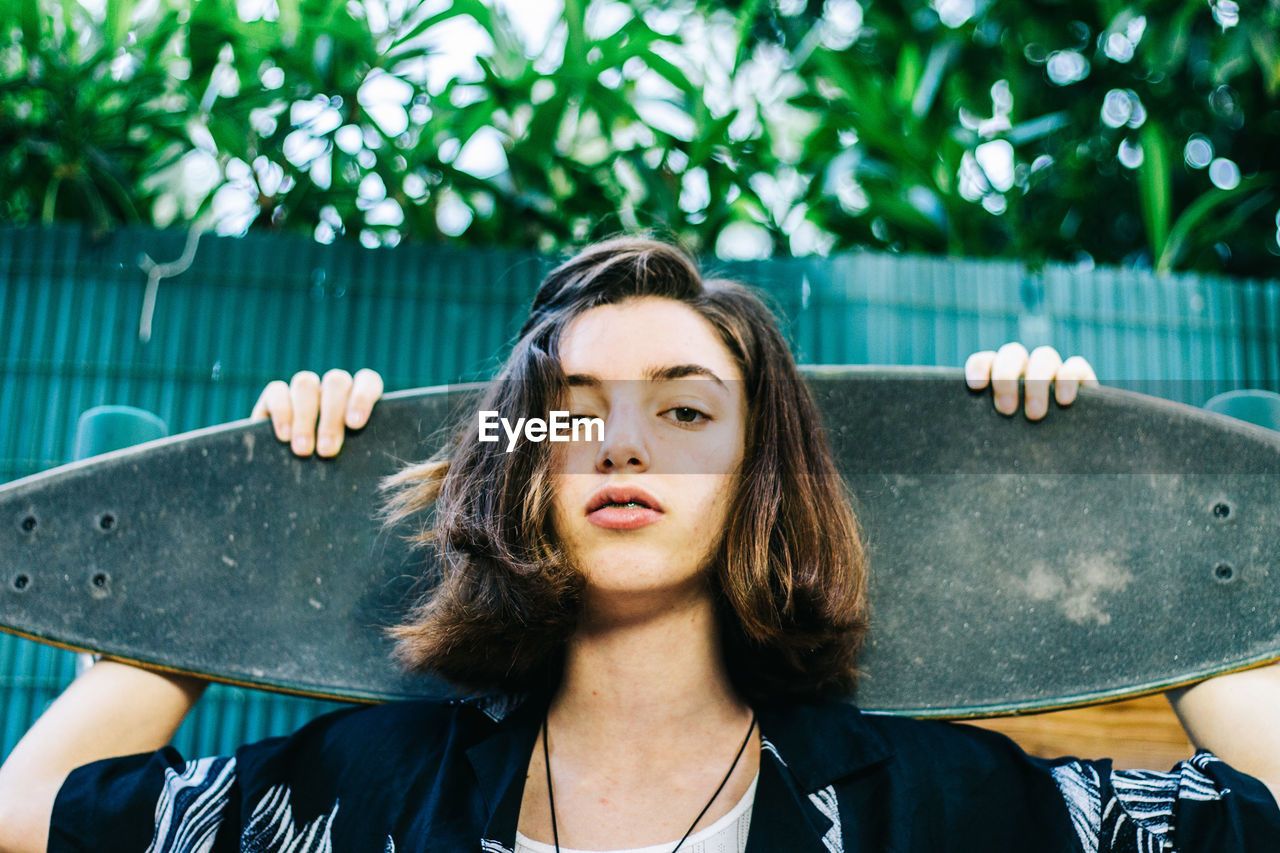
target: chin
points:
(623, 572)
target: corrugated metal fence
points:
(253, 309)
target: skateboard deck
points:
(1121, 546)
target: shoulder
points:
(1199, 805)
(833, 738)
(364, 762)
(349, 776)
(940, 742)
(842, 724)
(966, 767)
(394, 737)
(417, 719)
(946, 781)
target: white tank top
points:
(726, 835)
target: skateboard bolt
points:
(1221, 510)
(1224, 572)
(100, 580)
(29, 524)
(20, 582)
(107, 521)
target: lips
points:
(619, 507)
(622, 494)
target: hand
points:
(1011, 362)
(337, 400)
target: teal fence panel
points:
(253, 309)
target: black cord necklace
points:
(546, 760)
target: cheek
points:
(562, 499)
(714, 504)
(568, 501)
(576, 457)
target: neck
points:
(633, 677)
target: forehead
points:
(628, 340)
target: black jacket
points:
(429, 776)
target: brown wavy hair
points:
(789, 577)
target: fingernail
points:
(327, 446)
(1036, 409)
(1006, 404)
(301, 446)
(282, 432)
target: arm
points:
(1237, 717)
(113, 709)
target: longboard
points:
(1123, 545)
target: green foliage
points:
(1140, 133)
(75, 141)
(1097, 102)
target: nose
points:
(624, 447)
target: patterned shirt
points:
(449, 776)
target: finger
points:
(1090, 378)
(365, 392)
(977, 369)
(335, 390)
(1042, 366)
(1073, 372)
(304, 394)
(1009, 365)
(274, 403)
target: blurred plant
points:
(87, 108)
(1140, 133)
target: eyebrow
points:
(653, 374)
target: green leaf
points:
(715, 133)
(670, 72)
(1266, 49)
(49, 207)
(941, 57)
(1193, 222)
(908, 76)
(1154, 188)
(837, 70)
(746, 19)
(1037, 128)
(1167, 48)
(31, 18)
(289, 22)
(405, 42)
(611, 105)
(541, 133)
(575, 52)
(119, 17)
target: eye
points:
(686, 415)
(585, 423)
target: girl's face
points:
(642, 512)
